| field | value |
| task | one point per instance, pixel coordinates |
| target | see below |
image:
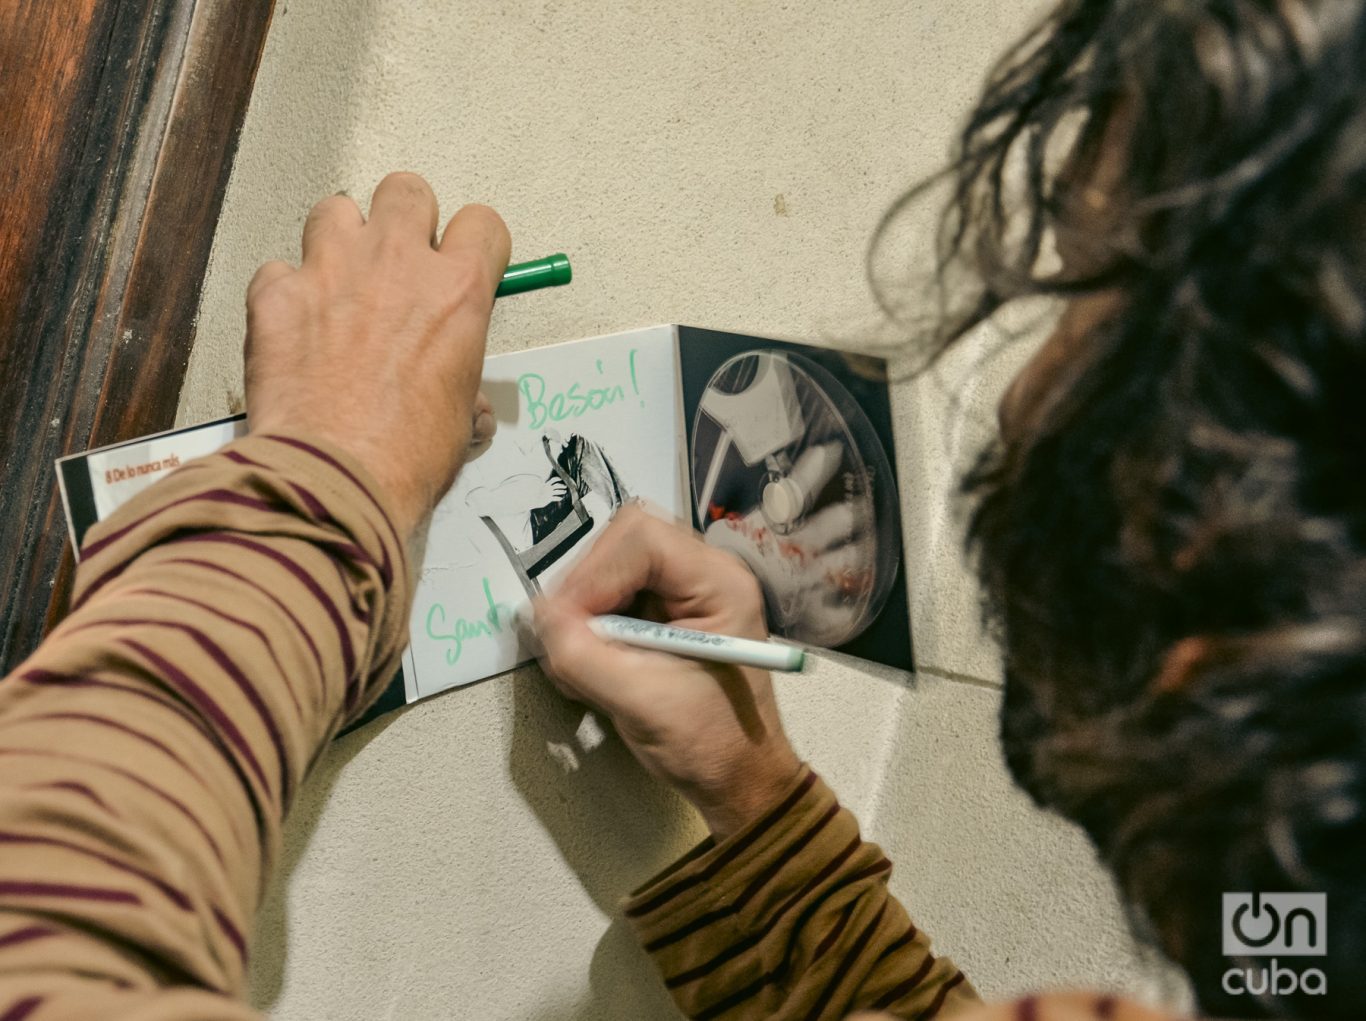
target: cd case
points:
(780, 453)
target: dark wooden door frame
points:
(121, 122)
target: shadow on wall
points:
(270, 947)
(615, 826)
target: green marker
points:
(552, 271)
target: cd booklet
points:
(780, 453)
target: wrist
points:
(400, 509)
(411, 491)
(749, 791)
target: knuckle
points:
(333, 204)
(326, 219)
(402, 179)
(266, 273)
(626, 516)
(272, 294)
(488, 217)
(636, 521)
(623, 529)
(405, 183)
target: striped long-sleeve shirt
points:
(791, 918)
(225, 624)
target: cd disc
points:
(790, 475)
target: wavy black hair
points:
(1174, 551)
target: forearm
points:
(791, 918)
(225, 624)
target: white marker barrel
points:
(681, 641)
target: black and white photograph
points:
(791, 454)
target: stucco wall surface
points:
(710, 162)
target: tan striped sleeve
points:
(225, 624)
(791, 919)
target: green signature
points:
(496, 618)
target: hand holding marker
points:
(555, 271)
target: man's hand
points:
(376, 342)
(711, 730)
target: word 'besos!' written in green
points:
(453, 634)
(553, 401)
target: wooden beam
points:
(121, 122)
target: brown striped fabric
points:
(226, 623)
(791, 918)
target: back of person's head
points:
(1172, 535)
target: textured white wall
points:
(710, 162)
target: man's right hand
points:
(376, 342)
(711, 730)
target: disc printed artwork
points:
(789, 474)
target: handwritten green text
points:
(546, 402)
(496, 618)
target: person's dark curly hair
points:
(1173, 549)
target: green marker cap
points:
(552, 271)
